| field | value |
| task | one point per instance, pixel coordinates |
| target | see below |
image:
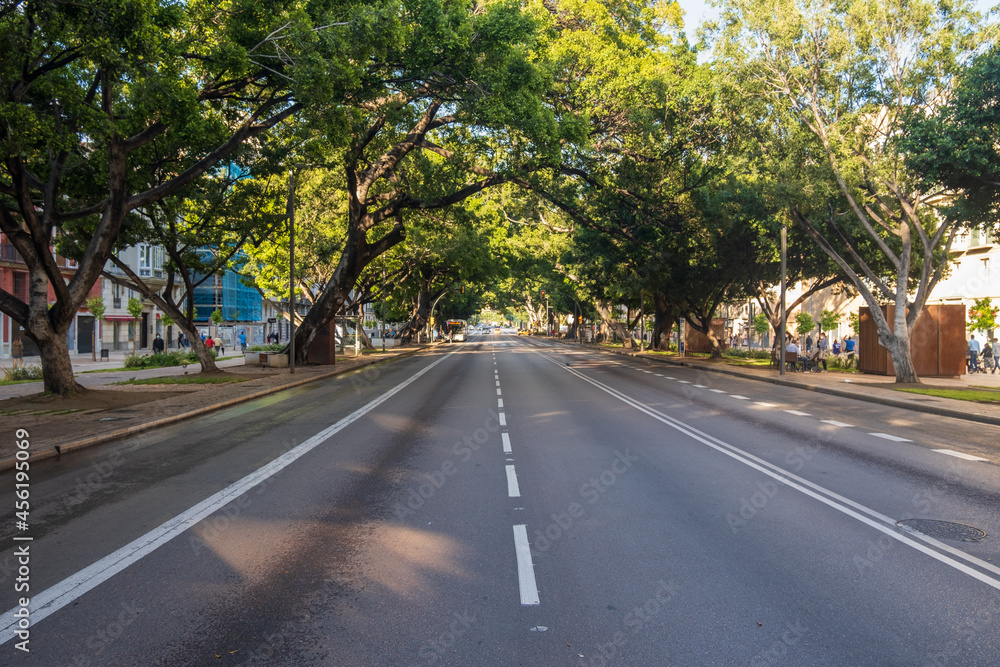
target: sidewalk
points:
(58, 425)
(872, 388)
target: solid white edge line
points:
(961, 455)
(513, 490)
(525, 570)
(506, 443)
(887, 525)
(71, 588)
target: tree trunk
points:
(419, 317)
(204, 356)
(57, 369)
(366, 342)
(693, 321)
(663, 323)
(604, 310)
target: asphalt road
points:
(511, 502)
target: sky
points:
(697, 10)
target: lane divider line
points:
(499, 402)
(502, 418)
(513, 490)
(961, 455)
(798, 413)
(834, 422)
(505, 437)
(944, 553)
(739, 398)
(764, 404)
(525, 569)
(718, 391)
(889, 436)
(73, 587)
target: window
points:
(158, 262)
(145, 260)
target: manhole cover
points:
(945, 530)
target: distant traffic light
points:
(543, 294)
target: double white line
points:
(942, 552)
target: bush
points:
(748, 354)
(272, 347)
(25, 373)
(158, 359)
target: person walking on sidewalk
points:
(996, 355)
(974, 350)
(17, 352)
(243, 341)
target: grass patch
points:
(4, 383)
(36, 413)
(974, 395)
(186, 379)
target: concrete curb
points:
(832, 391)
(59, 450)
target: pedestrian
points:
(988, 356)
(823, 346)
(849, 348)
(836, 348)
(243, 341)
(996, 355)
(180, 340)
(974, 350)
(809, 343)
(158, 345)
(17, 352)
(209, 342)
(793, 348)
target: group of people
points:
(816, 354)
(990, 355)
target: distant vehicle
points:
(523, 332)
(456, 330)
(496, 330)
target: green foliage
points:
(761, 325)
(216, 316)
(163, 359)
(804, 323)
(95, 305)
(737, 353)
(273, 347)
(134, 308)
(854, 321)
(958, 146)
(828, 320)
(167, 321)
(22, 374)
(982, 315)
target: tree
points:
(97, 94)
(982, 316)
(804, 324)
(134, 309)
(95, 305)
(203, 232)
(828, 320)
(958, 145)
(848, 76)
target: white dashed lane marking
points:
(717, 391)
(502, 418)
(525, 570)
(512, 489)
(834, 422)
(700, 386)
(506, 443)
(888, 436)
(684, 382)
(764, 404)
(739, 398)
(499, 402)
(961, 455)
(797, 413)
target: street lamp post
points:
(291, 269)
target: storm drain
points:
(943, 530)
